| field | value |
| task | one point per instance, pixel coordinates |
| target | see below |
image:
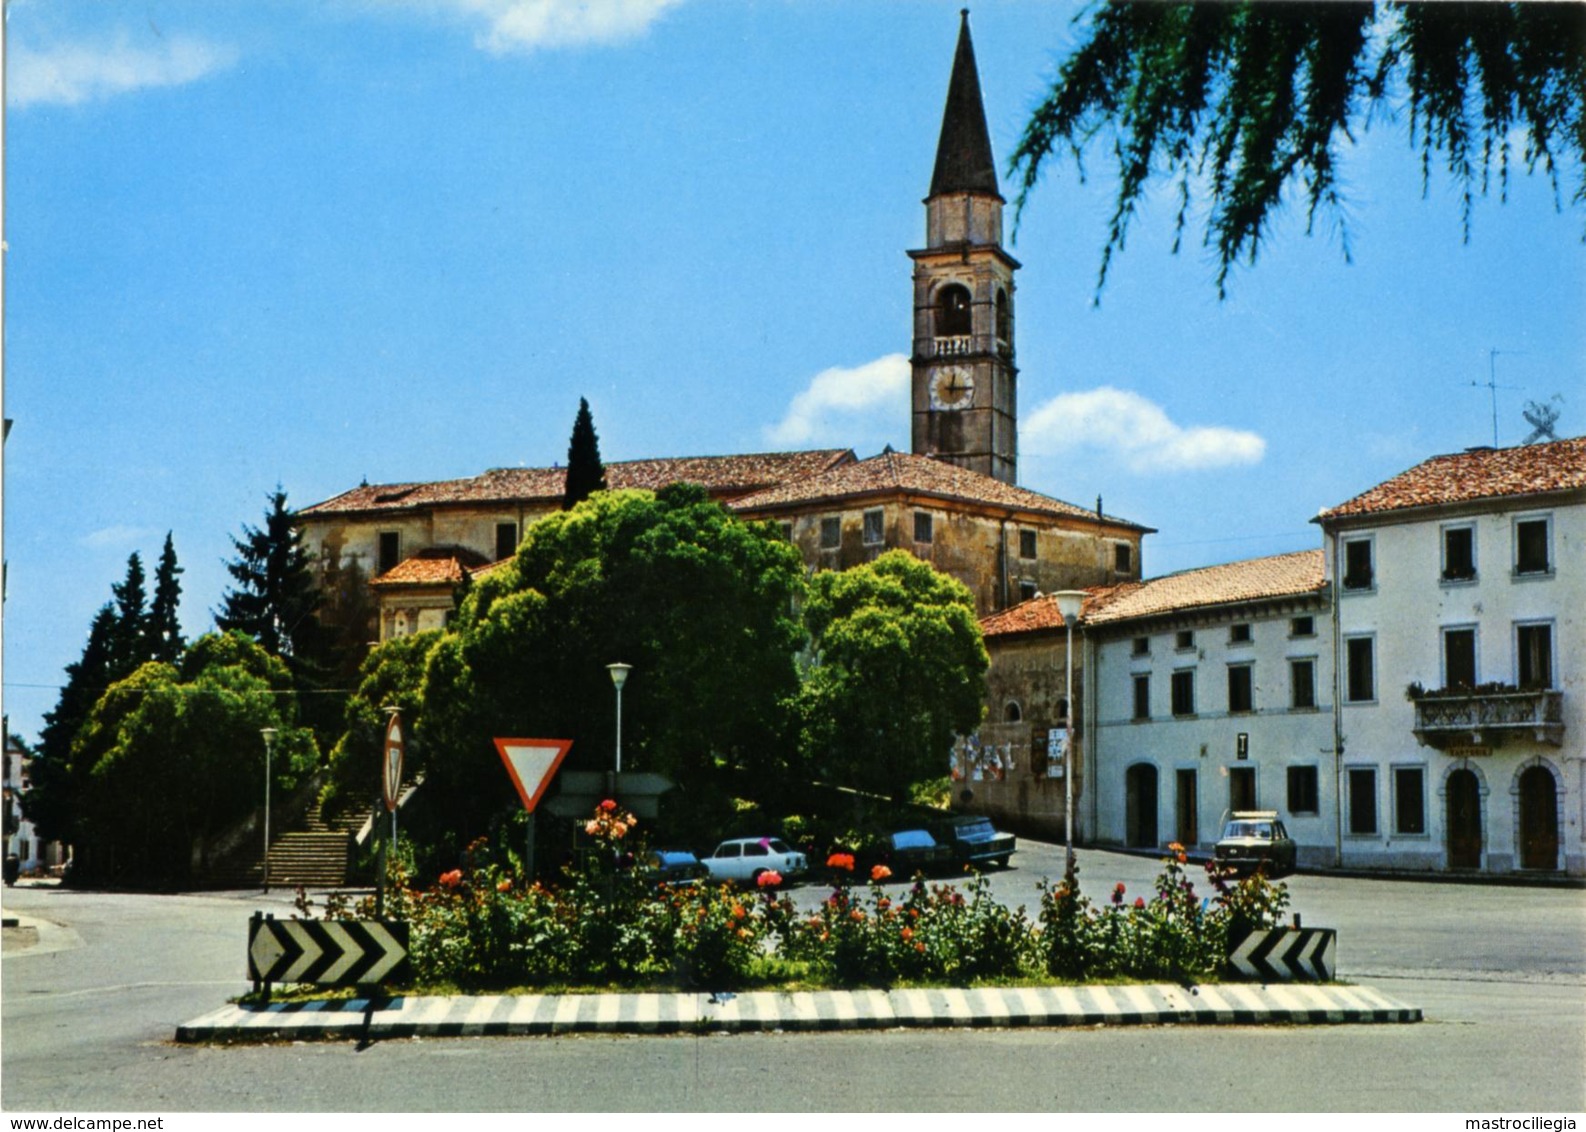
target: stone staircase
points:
(313, 853)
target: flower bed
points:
(478, 928)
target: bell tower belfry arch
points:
(965, 393)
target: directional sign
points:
(531, 763)
(327, 951)
(1283, 955)
(391, 779)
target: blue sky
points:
(310, 243)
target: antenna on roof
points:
(1542, 416)
(1493, 386)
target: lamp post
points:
(619, 677)
(269, 739)
(1069, 603)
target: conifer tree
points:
(164, 635)
(130, 642)
(585, 473)
(275, 598)
(51, 802)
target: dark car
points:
(975, 841)
(911, 851)
(672, 866)
(1256, 839)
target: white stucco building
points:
(1459, 593)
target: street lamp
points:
(1069, 603)
(269, 734)
(619, 677)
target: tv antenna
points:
(1493, 386)
(1542, 415)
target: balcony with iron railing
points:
(1456, 717)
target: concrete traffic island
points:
(438, 1016)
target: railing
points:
(954, 346)
(1487, 719)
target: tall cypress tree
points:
(275, 598)
(585, 473)
(164, 632)
(130, 643)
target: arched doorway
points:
(1140, 806)
(1464, 820)
(1538, 819)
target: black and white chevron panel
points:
(1283, 955)
(327, 952)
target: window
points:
(1459, 554)
(1241, 693)
(1142, 647)
(1302, 627)
(1360, 684)
(1357, 564)
(1531, 538)
(390, 550)
(1062, 708)
(1122, 557)
(1027, 544)
(1027, 591)
(874, 521)
(831, 532)
(1362, 800)
(787, 532)
(922, 526)
(954, 314)
(1409, 799)
(1184, 640)
(1459, 658)
(1302, 790)
(1142, 696)
(1242, 788)
(506, 540)
(1534, 656)
(1302, 684)
(1011, 712)
(1239, 634)
(1184, 692)
(1004, 317)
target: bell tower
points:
(965, 396)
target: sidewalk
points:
(1238, 1004)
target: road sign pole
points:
(528, 852)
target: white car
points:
(743, 859)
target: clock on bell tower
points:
(965, 400)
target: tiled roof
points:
(917, 475)
(1282, 575)
(1036, 615)
(1487, 473)
(433, 566)
(721, 475)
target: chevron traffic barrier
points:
(328, 952)
(1282, 955)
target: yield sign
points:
(531, 763)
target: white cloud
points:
(1137, 430)
(115, 538)
(527, 25)
(68, 74)
(836, 396)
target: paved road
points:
(1500, 972)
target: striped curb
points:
(534, 1014)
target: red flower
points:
(879, 872)
(608, 805)
(504, 885)
(769, 879)
(1139, 902)
(844, 861)
(451, 879)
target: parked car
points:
(975, 841)
(1256, 839)
(911, 851)
(672, 866)
(743, 859)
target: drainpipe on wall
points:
(1088, 687)
(1338, 717)
(1002, 565)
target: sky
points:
(310, 242)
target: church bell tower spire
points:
(964, 379)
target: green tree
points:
(699, 602)
(130, 641)
(171, 756)
(898, 669)
(164, 634)
(1245, 103)
(585, 472)
(275, 598)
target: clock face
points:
(953, 387)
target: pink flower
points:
(608, 805)
(769, 879)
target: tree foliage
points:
(585, 472)
(171, 755)
(899, 669)
(1245, 103)
(275, 598)
(164, 634)
(699, 602)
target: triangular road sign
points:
(531, 764)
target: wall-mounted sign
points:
(1242, 745)
(1468, 752)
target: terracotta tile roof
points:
(916, 475)
(724, 476)
(1037, 615)
(433, 566)
(1488, 473)
(1281, 575)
